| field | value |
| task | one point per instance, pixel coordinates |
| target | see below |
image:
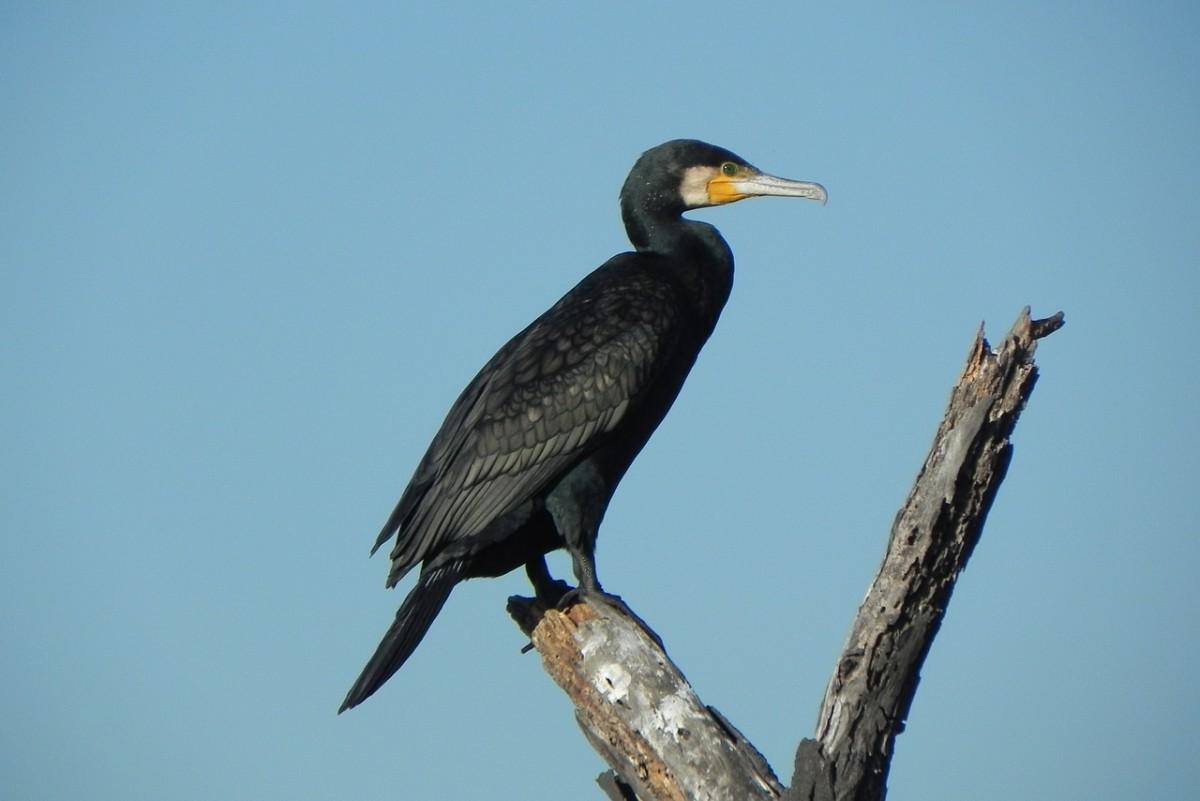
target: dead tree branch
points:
(663, 743)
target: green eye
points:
(729, 168)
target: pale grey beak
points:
(762, 184)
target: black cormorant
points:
(531, 452)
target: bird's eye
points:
(729, 168)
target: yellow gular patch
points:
(724, 189)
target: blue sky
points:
(251, 254)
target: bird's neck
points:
(697, 255)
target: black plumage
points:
(531, 452)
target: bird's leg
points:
(576, 505)
(584, 567)
(589, 590)
(584, 564)
(548, 594)
(548, 589)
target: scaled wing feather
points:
(539, 406)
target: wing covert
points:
(549, 397)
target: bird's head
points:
(688, 174)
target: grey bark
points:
(662, 742)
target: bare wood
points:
(872, 687)
(640, 714)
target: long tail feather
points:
(413, 619)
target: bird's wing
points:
(548, 398)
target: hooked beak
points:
(727, 189)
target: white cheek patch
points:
(694, 187)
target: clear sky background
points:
(249, 256)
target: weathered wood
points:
(872, 687)
(614, 788)
(640, 714)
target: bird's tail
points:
(413, 618)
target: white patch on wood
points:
(676, 715)
(612, 682)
